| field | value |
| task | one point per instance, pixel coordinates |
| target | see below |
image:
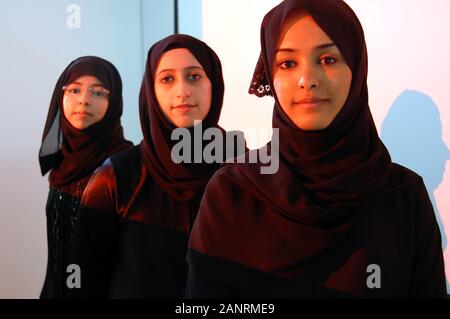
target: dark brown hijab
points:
(181, 181)
(324, 176)
(71, 153)
(346, 161)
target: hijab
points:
(346, 161)
(70, 153)
(181, 181)
(325, 177)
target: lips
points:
(82, 114)
(184, 107)
(311, 102)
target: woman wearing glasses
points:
(139, 207)
(82, 130)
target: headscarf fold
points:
(70, 153)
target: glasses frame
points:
(90, 89)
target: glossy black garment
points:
(71, 155)
(133, 234)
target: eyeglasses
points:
(95, 92)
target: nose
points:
(85, 98)
(183, 89)
(308, 79)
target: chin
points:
(311, 125)
(184, 124)
(79, 126)
(83, 126)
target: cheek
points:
(282, 90)
(207, 97)
(102, 108)
(344, 89)
(278, 85)
(348, 82)
(67, 106)
(340, 84)
(163, 97)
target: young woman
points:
(139, 207)
(82, 130)
(338, 218)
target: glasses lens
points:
(98, 92)
(72, 89)
(75, 90)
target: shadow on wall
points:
(412, 131)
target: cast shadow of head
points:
(412, 132)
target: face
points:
(182, 88)
(85, 101)
(310, 77)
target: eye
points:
(327, 60)
(74, 90)
(194, 77)
(99, 93)
(287, 64)
(167, 79)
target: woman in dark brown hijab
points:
(139, 207)
(82, 130)
(338, 219)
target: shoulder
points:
(113, 180)
(107, 172)
(127, 158)
(412, 182)
(416, 198)
(100, 191)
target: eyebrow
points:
(186, 68)
(318, 47)
(78, 83)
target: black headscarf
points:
(181, 181)
(72, 153)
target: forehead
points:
(175, 59)
(302, 33)
(87, 80)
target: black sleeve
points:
(95, 245)
(428, 274)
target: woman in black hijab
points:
(338, 219)
(139, 207)
(82, 130)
